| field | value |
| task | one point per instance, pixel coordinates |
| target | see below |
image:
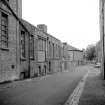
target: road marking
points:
(75, 96)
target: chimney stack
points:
(42, 27)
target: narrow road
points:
(50, 90)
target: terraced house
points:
(27, 51)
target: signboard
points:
(41, 56)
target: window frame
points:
(42, 43)
(23, 47)
(4, 31)
(33, 56)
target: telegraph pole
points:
(103, 45)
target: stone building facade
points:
(41, 50)
(72, 57)
(54, 54)
(9, 33)
(27, 51)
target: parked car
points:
(97, 65)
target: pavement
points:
(90, 90)
(94, 90)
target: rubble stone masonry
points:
(9, 57)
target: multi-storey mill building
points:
(9, 35)
(25, 54)
(17, 39)
(18, 43)
(27, 51)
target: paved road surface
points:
(50, 90)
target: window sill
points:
(32, 59)
(4, 49)
(23, 59)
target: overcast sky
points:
(73, 21)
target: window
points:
(53, 51)
(56, 51)
(59, 48)
(4, 30)
(44, 45)
(32, 47)
(40, 47)
(41, 44)
(22, 44)
(50, 49)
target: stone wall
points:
(9, 58)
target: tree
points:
(98, 51)
(91, 52)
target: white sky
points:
(73, 21)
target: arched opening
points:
(39, 70)
(49, 66)
(45, 72)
